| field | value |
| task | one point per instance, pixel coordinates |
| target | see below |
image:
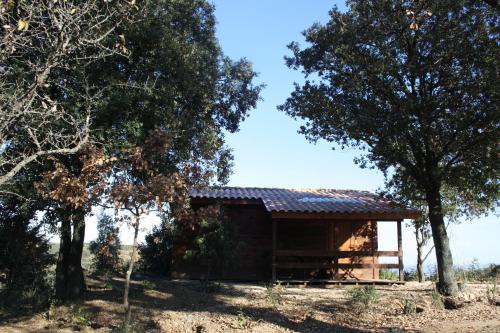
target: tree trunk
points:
(447, 285)
(63, 259)
(420, 264)
(126, 303)
(76, 280)
(421, 241)
(70, 281)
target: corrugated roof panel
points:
(307, 200)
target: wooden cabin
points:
(310, 234)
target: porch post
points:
(400, 252)
(274, 253)
(336, 275)
(373, 225)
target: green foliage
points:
(388, 274)
(244, 321)
(156, 252)
(216, 244)
(176, 79)
(24, 257)
(106, 248)
(164, 71)
(44, 104)
(411, 275)
(81, 315)
(274, 294)
(475, 273)
(148, 285)
(437, 300)
(424, 99)
(409, 307)
(414, 85)
(364, 296)
(492, 293)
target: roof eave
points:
(377, 216)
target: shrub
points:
(388, 274)
(433, 274)
(24, 257)
(411, 275)
(148, 285)
(275, 294)
(156, 252)
(244, 321)
(492, 293)
(365, 296)
(81, 315)
(409, 307)
(437, 300)
(474, 273)
(215, 247)
(106, 248)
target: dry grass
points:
(188, 306)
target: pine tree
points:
(106, 248)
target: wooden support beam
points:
(298, 265)
(335, 248)
(338, 254)
(389, 216)
(273, 272)
(373, 226)
(400, 253)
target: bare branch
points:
(46, 48)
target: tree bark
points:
(447, 285)
(126, 303)
(63, 259)
(70, 281)
(76, 280)
(420, 238)
(420, 263)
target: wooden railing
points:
(338, 254)
(333, 256)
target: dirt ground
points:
(189, 306)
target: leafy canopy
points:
(414, 84)
(173, 98)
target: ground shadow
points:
(193, 296)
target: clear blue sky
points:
(269, 152)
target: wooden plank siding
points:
(294, 247)
(346, 249)
(253, 263)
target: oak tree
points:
(46, 51)
(176, 81)
(414, 84)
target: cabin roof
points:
(278, 200)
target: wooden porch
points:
(340, 263)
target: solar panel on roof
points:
(326, 199)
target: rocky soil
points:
(189, 306)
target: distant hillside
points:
(87, 256)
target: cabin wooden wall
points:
(254, 255)
(325, 237)
(253, 263)
(356, 236)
